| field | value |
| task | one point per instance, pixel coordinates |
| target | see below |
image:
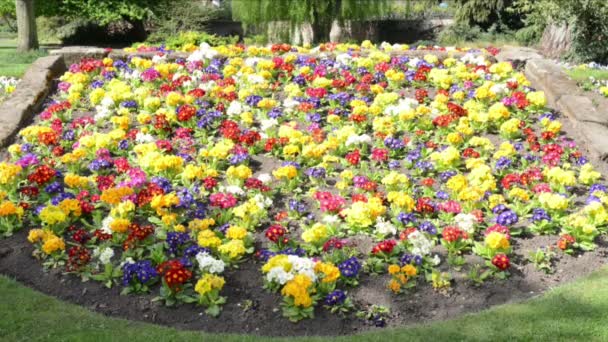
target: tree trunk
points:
(27, 36)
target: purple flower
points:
(407, 259)
(507, 218)
(175, 240)
(428, 227)
(540, 214)
(336, 297)
(142, 271)
(350, 267)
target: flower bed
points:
(163, 176)
(7, 87)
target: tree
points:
(26, 26)
(320, 14)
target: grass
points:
(575, 311)
(583, 74)
(13, 63)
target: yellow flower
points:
(207, 238)
(115, 195)
(198, 224)
(330, 271)
(496, 240)
(393, 269)
(241, 172)
(52, 244)
(9, 208)
(8, 172)
(120, 225)
(36, 235)
(287, 172)
(409, 270)
(52, 214)
(208, 283)
(537, 98)
(297, 288)
(316, 233)
(236, 232)
(233, 248)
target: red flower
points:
(186, 112)
(41, 175)
(174, 273)
(424, 205)
(354, 157)
(385, 246)
(275, 233)
(406, 233)
(565, 242)
(453, 234)
(501, 261)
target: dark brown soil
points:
(250, 309)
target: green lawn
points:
(12, 63)
(577, 311)
(583, 74)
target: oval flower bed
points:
(161, 176)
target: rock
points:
(580, 108)
(518, 56)
(596, 135)
(73, 54)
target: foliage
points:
(172, 18)
(487, 14)
(320, 13)
(102, 11)
(587, 20)
(189, 38)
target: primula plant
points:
(318, 168)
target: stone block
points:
(580, 108)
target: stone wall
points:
(27, 100)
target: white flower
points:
(255, 79)
(207, 263)
(265, 178)
(466, 222)
(262, 201)
(105, 225)
(158, 59)
(354, 139)
(421, 245)
(267, 124)
(234, 189)
(499, 88)
(413, 62)
(278, 275)
(290, 103)
(301, 265)
(436, 260)
(330, 219)
(106, 255)
(343, 58)
(142, 138)
(204, 52)
(251, 61)
(107, 102)
(385, 227)
(235, 108)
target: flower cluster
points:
(331, 162)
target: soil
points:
(252, 310)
